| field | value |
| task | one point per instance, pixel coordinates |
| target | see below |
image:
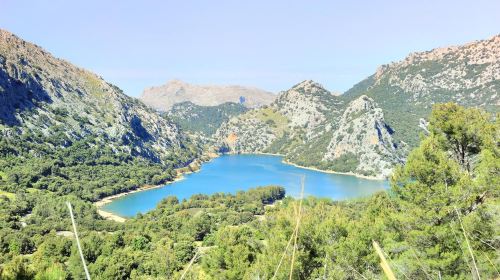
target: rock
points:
(43, 95)
(363, 133)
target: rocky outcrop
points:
(406, 90)
(307, 105)
(312, 127)
(470, 68)
(43, 95)
(363, 133)
(296, 115)
(163, 97)
(372, 126)
(254, 131)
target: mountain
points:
(364, 138)
(56, 118)
(45, 95)
(372, 126)
(203, 119)
(312, 127)
(406, 90)
(163, 97)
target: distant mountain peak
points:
(473, 53)
(176, 91)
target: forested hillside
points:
(66, 130)
(69, 136)
(203, 119)
(468, 75)
(438, 221)
(312, 127)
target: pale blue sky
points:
(268, 44)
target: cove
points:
(233, 173)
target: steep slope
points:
(163, 97)
(307, 105)
(297, 115)
(363, 142)
(312, 127)
(203, 119)
(51, 104)
(373, 125)
(253, 131)
(406, 90)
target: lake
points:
(232, 173)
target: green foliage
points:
(204, 119)
(244, 235)
(442, 180)
(87, 168)
(347, 162)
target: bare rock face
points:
(406, 90)
(470, 67)
(163, 97)
(296, 115)
(44, 95)
(363, 134)
(306, 105)
(310, 126)
(372, 126)
(246, 135)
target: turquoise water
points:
(232, 173)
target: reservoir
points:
(233, 173)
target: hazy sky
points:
(268, 44)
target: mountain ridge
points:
(314, 130)
(48, 96)
(175, 91)
(467, 74)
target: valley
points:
(424, 130)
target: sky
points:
(267, 44)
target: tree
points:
(462, 131)
(442, 180)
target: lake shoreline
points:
(375, 178)
(193, 167)
(108, 199)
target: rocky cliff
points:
(406, 90)
(372, 126)
(297, 113)
(312, 127)
(49, 99)
(363, 136)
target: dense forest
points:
(203, 119)
(439, 220)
